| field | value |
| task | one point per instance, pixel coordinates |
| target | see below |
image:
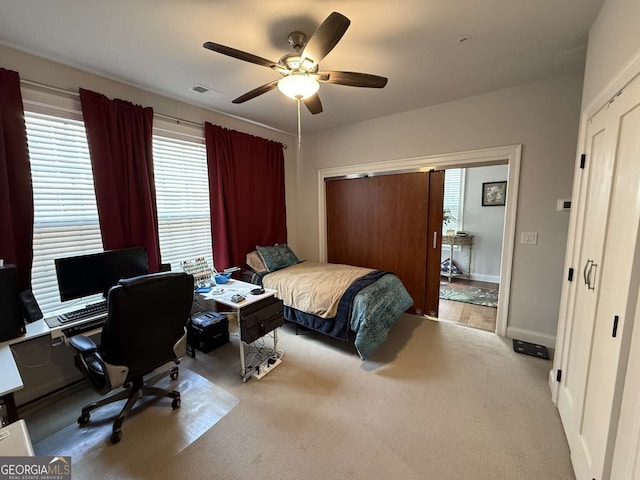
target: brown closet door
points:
(381, 222)
(434, 242)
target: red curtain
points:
(119, 137)
(16, 190)
(246, 183)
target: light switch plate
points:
(563, 204)
(529, 238)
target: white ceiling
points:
(157, 45)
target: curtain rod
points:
(75, 94)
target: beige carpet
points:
(152, 433)
(437, 401)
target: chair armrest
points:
(83, 345)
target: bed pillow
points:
(277, 257)
(254, 261)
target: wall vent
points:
(203, 90)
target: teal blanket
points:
(375, 310)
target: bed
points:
(333, 299)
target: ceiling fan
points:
(300, 70)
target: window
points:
(453, 198)
(65, 211)
(182, 196)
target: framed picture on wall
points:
(494, 194)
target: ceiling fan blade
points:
(239, 54)
(313, 103)
(325, 37)
(352, 79)
(256, 91)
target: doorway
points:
(511, 155)
(472, 244)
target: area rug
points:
(459, 292)
(157, 432)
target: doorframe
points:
(509, 155)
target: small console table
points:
(452, 241)
(243, 288)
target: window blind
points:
(65, 211)
(182, 197)
(453, 192)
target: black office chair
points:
(144, 330)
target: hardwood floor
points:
(467, 314)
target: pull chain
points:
(299, 126)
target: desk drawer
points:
(258, 319)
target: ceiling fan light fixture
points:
(298, 85)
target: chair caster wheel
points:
(84, 418)
(175, 403)
(116, 436)
(174, 375)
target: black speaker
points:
(30, 306)
(11, 316)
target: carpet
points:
(152, 434)
(459, 292)
(436, 401)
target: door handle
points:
(584, 272)
(591, 268)
(435, 239)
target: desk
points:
(453, 240)
(243, 288)
(15, 440)
(10, 380)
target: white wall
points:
(542, 116)
(614, 40)
(486, 224)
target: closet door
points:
(606, 292)
(618, 289)
(381, 222)
(434, 242)
(593, 202)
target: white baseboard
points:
(485, 278)
(531, 336)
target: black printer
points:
(207, 331)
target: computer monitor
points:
(86, 275)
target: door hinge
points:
(558, 375)
(615, 326)
(570, 276)
(583, 160)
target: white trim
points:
(531, 336)
(511, 154)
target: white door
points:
(593, 204)
(626, 456)
(620, 273)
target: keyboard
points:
(90, 311)
(83, 327)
